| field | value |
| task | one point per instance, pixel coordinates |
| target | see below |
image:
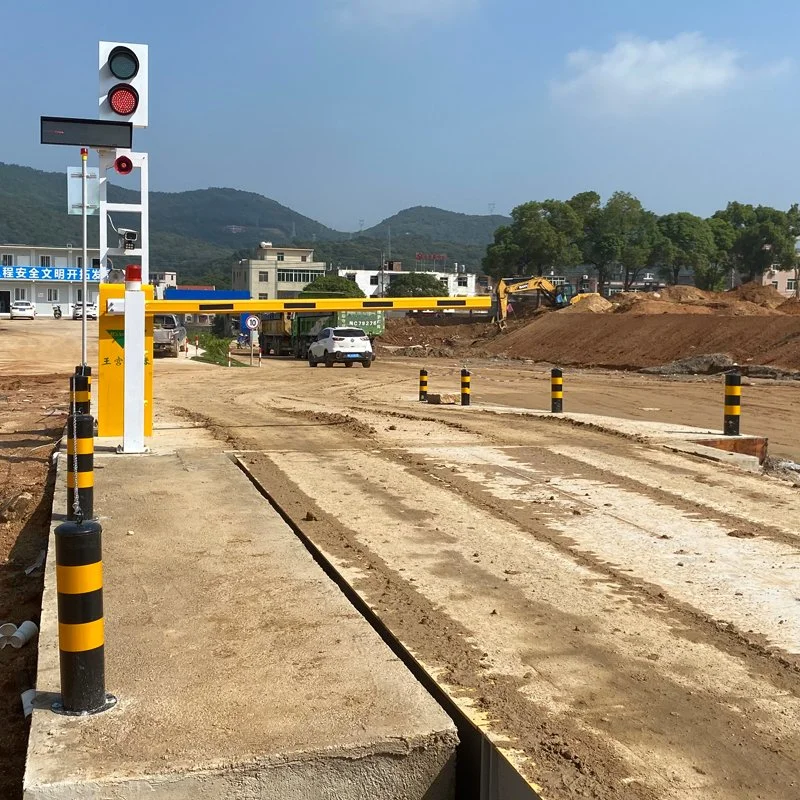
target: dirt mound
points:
(648, 306)
(742, 308)
(633, 341)
(765, 296)
(791, 306)
(591, 304)
(683, 294)
(707, 364)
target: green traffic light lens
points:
(123, 63)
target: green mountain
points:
(436, 224)
(200, 232)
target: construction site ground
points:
(753, 324)
(622, 619)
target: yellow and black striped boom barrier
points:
(733, 403)
(556, 391)
(81, 632)
(327, 304)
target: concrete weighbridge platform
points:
(241, 670)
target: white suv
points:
(340, 346)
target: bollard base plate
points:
(58, 708)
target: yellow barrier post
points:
(81, 633)
(733, 403)
(556, 391)
(466, 389)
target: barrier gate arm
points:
(344, 304)
(112, 396)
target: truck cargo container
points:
(290, 333)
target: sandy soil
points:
(630, 332)
(624, 617)
(32, 415)
(36, 359)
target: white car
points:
(340, 346)
(23, 309)
(91, 311)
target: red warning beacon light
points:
(123, 165)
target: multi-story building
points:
(276, 273)
(376, 283)
(784, 280)
(46, 276)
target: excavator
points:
(558, 296)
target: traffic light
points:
(123, 83)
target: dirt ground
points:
(624, 618)
(32, 416)
(631, 332)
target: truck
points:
(290, 333)
(169, 336)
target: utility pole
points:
(389, 256)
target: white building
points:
(784, 280)
(46, 276)
(375, 283)
(277, 273)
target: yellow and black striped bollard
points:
(81, 634)
(80, 467)
(80, 398)
(556, 391)
(465, 387)
(733, 403)
(423, 385)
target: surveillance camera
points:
(128, 237)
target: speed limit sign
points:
(252, 323)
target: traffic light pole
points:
(134, 347)
(85, 262)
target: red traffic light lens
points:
(123, 165)
(123, 99)
(123, 63)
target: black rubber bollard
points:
(465, 387)
(80, 467)
(733, 403)
(556, 391)
(81, 632)
(423, 385)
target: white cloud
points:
(638, 75)
(388, 13)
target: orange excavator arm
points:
(508, 286)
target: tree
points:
(621, 232)
(416, 284)
(691, 244)
(711, 276)
(540, 236)
(332, 286)
(763, 236)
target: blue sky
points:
(353, 109)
